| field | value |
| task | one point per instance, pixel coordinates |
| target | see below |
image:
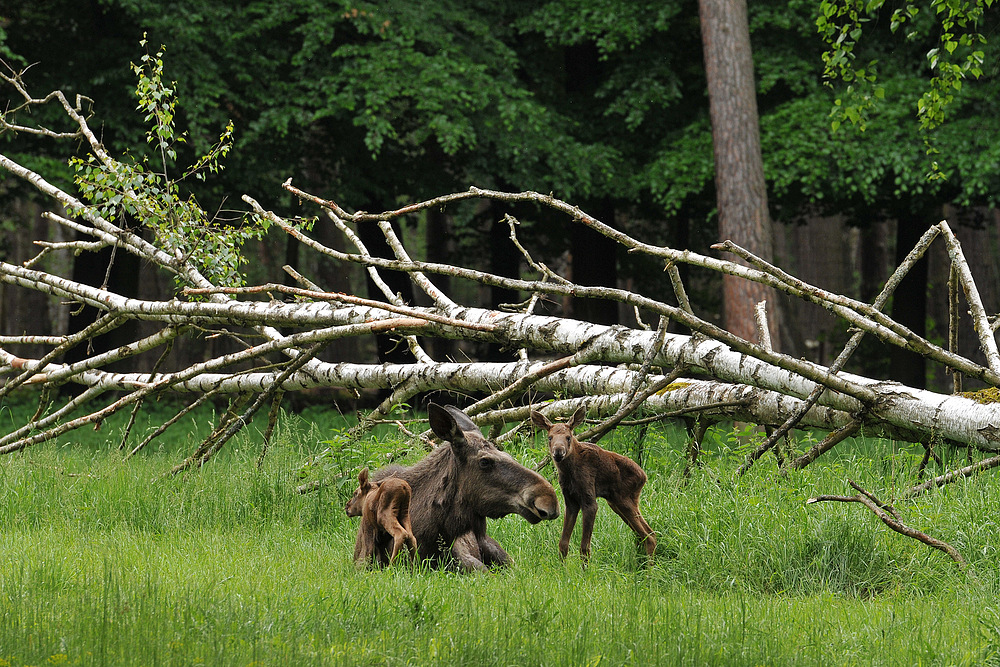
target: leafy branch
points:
(128, 189)
(957, 56)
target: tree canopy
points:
(585, 99)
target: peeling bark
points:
(616, 369)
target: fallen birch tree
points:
(707, 376)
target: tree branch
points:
(890, 517)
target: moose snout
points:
(546, 506)
(539, 503)
(558, 454)
(548, 511)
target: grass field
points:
(111, 563)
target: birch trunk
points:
(719, 375)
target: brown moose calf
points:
(588, 472)
(384, 508)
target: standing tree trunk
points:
(595, 262)
(741, 191)
(909, 304)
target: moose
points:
(384, 509)
(460, 484)
(588, 472)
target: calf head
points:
(490, 482)
(357, 502)
(561, 438)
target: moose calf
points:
(588, 472)
(384, 508)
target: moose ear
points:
(363, 477)
(540, 421)
(442, 422)
(462, 421)
(449, 423)
(578, 417)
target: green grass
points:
(105, 563)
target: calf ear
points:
(540, 421)
(578, 417)
(363, 477)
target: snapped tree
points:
(707, 376)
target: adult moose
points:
(459, 485)
(588, 472)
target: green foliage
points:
(592, 100)
(610, 25)
(862, 90)
(127, 189)
(344, 454)
(956, 56)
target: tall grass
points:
(111, 563)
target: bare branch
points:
(987, 341)
(615, 369)
(882, 511)
(953, 476)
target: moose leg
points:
(467, 553)
(492, 553)
(589, 514)
(629, 513)
(569, 522)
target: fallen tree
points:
(708, 375)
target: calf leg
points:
(364, 545)
(400, 536)
(589, 514)
(650, 535)
(397, 544)
(408, 538)
(569, 522)
(411, 544)
(645, 533)
(629, 512)
(394, 518)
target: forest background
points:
(605, 105)
(601, 102)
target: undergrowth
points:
(105, 562)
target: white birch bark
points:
(753, 382)
(908, 409)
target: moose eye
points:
(486, 464)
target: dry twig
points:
(890, 517)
